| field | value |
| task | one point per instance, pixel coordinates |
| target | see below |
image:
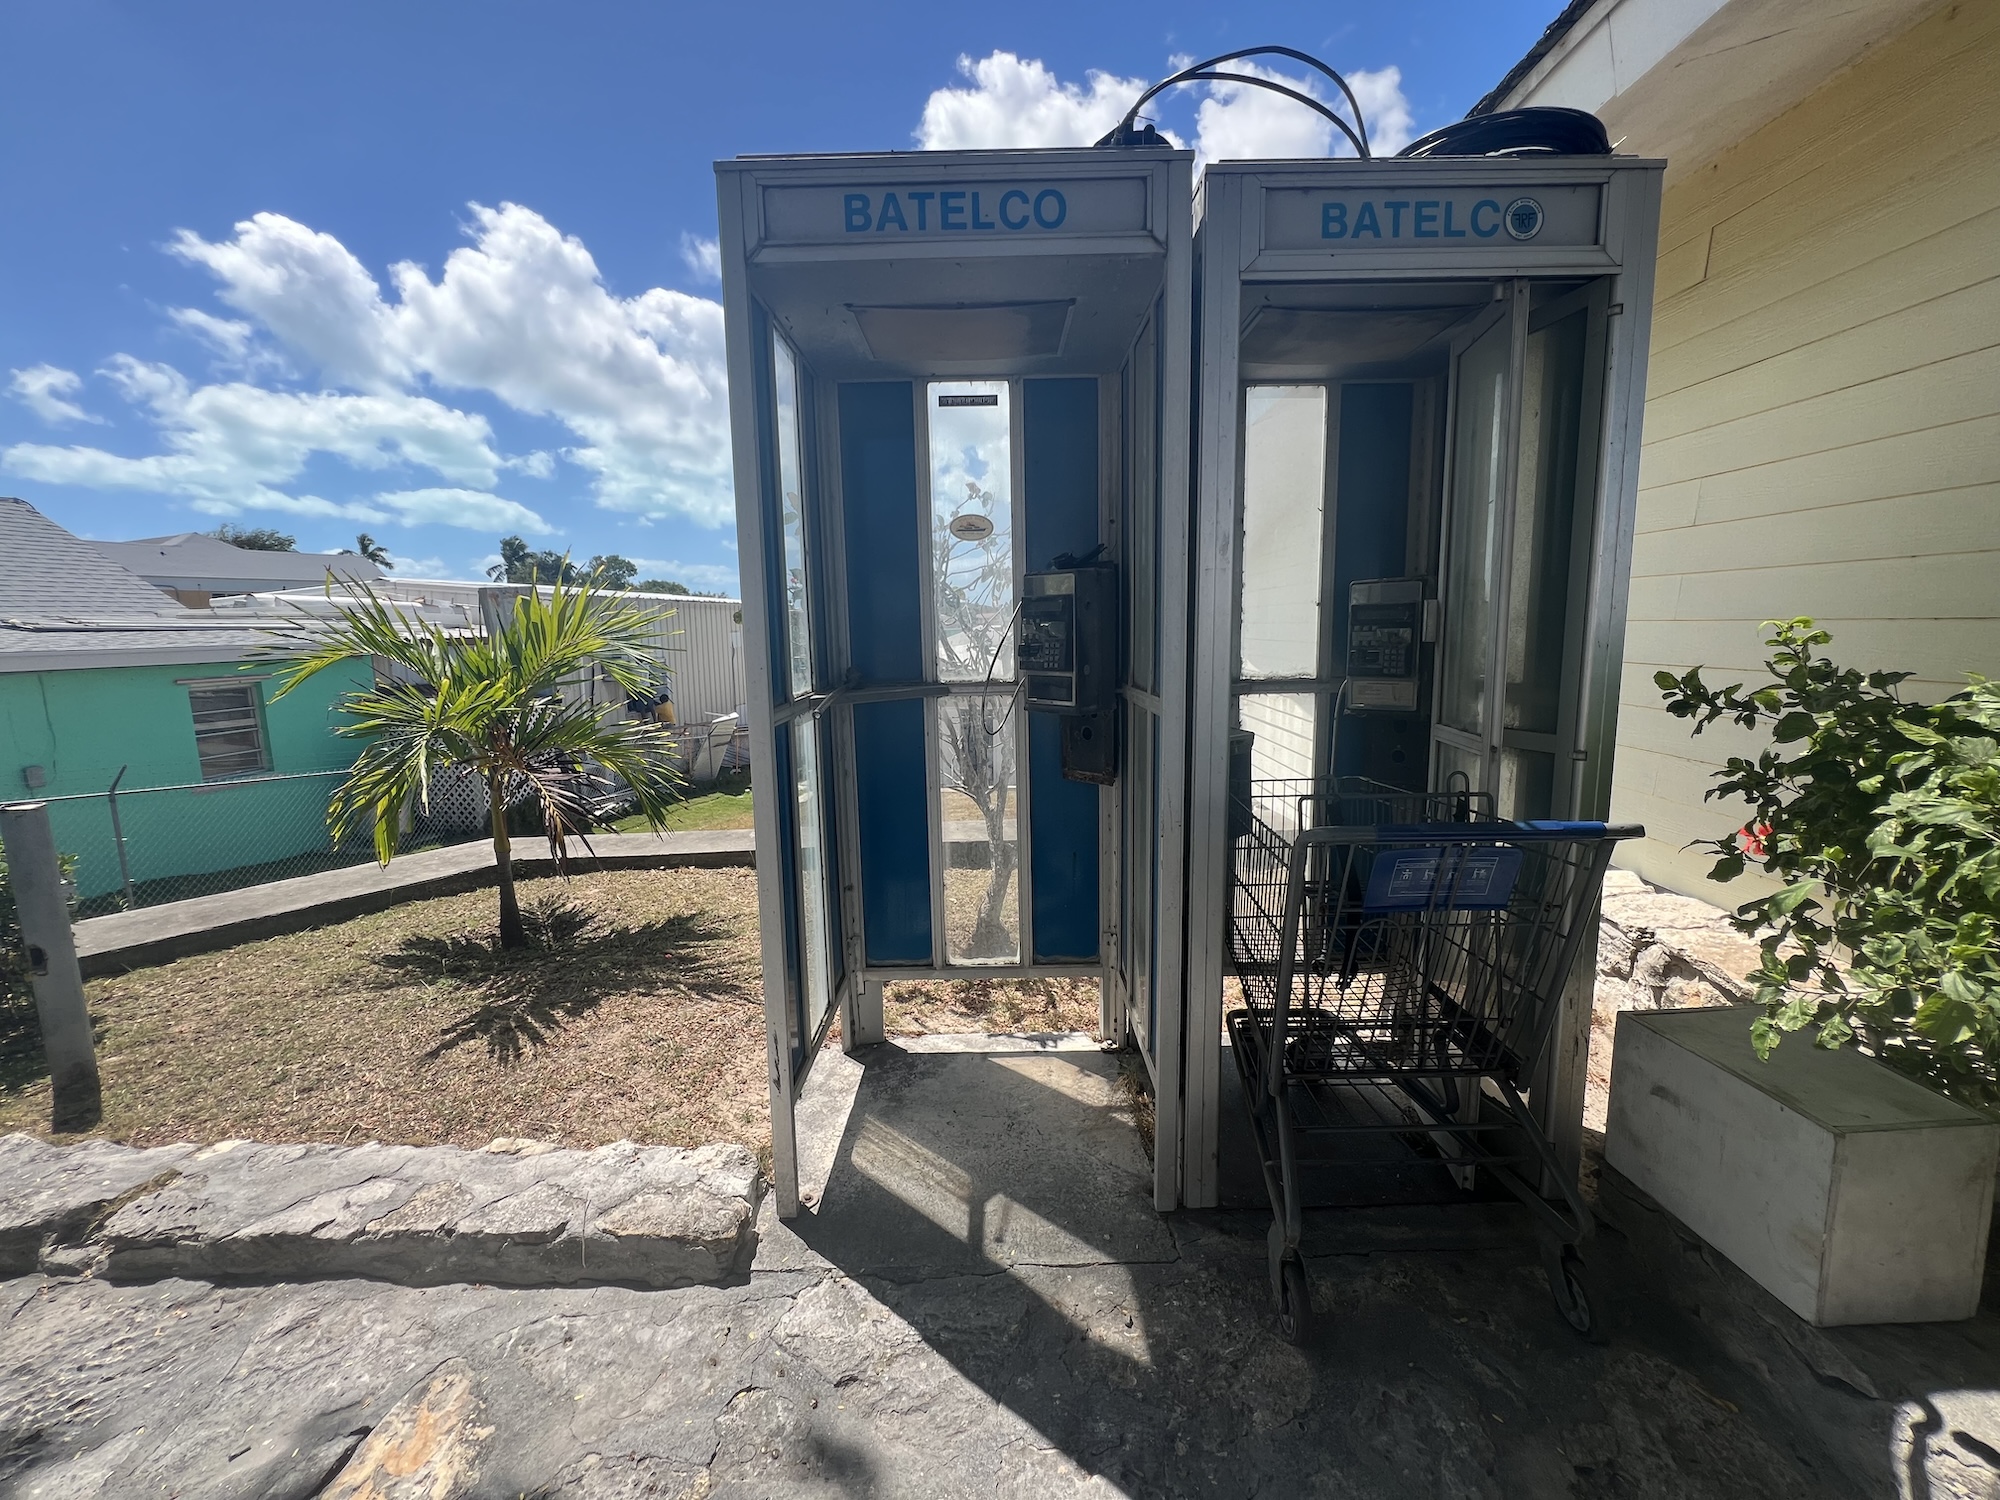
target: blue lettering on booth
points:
(1343, 220)
(1017, 210)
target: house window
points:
(228, 730)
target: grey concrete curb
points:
(515, 1214)
(160, 934)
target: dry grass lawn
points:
(639, 1015)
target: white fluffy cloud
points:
(703, 257)
(1240, 122)
(454, 507)
(521, 313)
(45, 389)
(1011, 101)
(232, 446)
(1017, 102)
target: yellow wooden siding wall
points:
(1823, 410)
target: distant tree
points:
(662, 586)
(490, 707)
(255, 538)
(519, 564)
(610, 571)
(370, 550)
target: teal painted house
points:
(102, 673)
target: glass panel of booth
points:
(1544, 524)
(1284, 499)
(972, 529)
(1473, 530)
(791, 490)
(815, 980)
(979, 818)
(1284, 727)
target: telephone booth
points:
(959, 395)
(1418, 424)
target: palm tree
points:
(492, 707)
(373, 551)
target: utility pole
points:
(35, 875)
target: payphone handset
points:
(1385, 640)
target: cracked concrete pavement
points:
(982, 1304)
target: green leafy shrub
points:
(1880, 817)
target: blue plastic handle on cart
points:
(1487, 833)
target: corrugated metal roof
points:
(190, 560)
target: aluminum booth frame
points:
(878, 310)
(1427, 302)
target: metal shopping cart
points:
(1417, 948)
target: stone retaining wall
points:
(515, 1214)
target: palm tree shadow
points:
(524, 996)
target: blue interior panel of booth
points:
(878, 472)
(1059, 448)
(1371, 530)
(890, 789)
(1063, 815)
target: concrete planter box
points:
(1850, 1193)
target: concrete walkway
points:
(980, 1302)
(157, 934)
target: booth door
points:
(804, 963)
(1522, 456)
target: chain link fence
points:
(130, 847)
(143, 846)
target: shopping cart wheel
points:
(1572, 1292)
(1294, 1302)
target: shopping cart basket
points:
(1424, 959)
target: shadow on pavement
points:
(997, 1201)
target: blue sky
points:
(435, 270)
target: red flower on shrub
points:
(1751, 838)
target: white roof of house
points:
(191, 560)
(65, 604)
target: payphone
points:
(1385, 642)
(1068, 656)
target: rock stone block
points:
(650, 1216)
(52, 1194)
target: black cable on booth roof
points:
(1126, 132)
(1542, 130)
